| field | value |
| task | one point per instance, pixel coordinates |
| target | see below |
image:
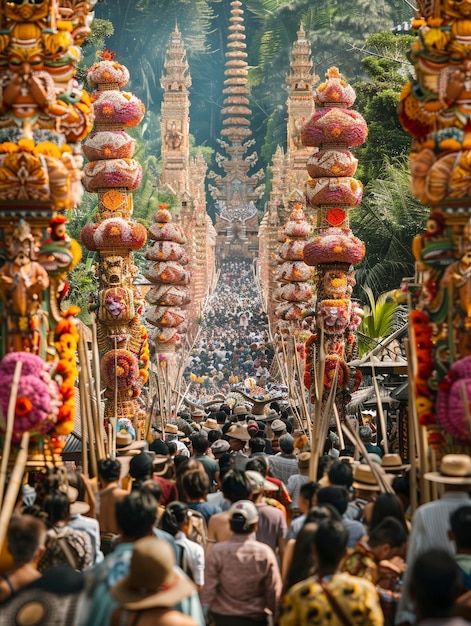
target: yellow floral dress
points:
(306, 604)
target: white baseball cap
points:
(247, 509)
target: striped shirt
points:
(430, 525)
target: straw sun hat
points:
(455, 469)
(363, 478)
(392, 462)
(152, 580)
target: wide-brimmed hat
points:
(455, 469)
(77, 507)
(239, 431)
(153, 580)
(304, 460)
(269, 417)
(210, 423)
(125, 445)
(198, 413)
(172, 429)
(278, 426)
(392, 462)
(240, 409)
(38, 607)
(363, 478)
(160, 464)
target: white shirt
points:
(193, 555)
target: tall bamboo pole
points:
(9, 427)
(14, 485)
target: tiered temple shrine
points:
(236, 192)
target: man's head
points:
(258, 464)
(286, 443)
(307, 495)
(109, 470)
(235, 486)
(365, 433)
(200, 443)
(336, 495)
(340, 473)
(460, 522)
(26, 536)
(136, 514)
(278, 427)
(198, 415)
(243, 517)
(435, 583)
(57, 507)
(195, 484)
(238, 436)
(257, 444)
(387, 539)
(140, 467)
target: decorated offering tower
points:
(332, 192)
(435, 110)
(295, 291)
(43, 117)
(289, 175)
(170, 279)
(113, 174)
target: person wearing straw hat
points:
(392, 464)
(151, 588)
(238, 436)
(431, 521)
(366, 487)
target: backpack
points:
(199, 530)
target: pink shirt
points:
(242, 578)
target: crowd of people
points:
(224, 518)
(233, 341)
(226, 526)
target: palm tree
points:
(387, 221)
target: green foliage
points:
(387, 221)
(382, 317)
(82, 285)
(377, 99)
(101, 29)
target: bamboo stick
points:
(84, 371)
(14, 485)
(9, 427)
(382, 421)
(412, 438)
(97, 379)
(83, 426)
(339, 427)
